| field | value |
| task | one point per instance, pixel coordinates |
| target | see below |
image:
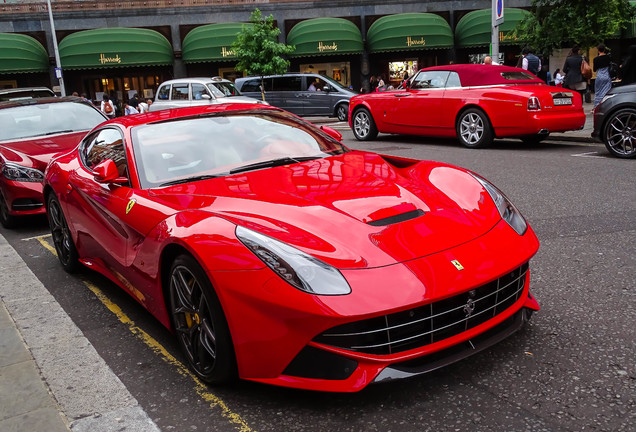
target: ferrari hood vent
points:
(397, 218)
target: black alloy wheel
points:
(6, 219)
(363, 125)
(620, 133)
(474, 129)
(199, 322)
(62, 239)
(342, 111)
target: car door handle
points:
(401, 94)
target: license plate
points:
(563, 101)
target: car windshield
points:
(223, 89)
(220, 144)
(34, 120)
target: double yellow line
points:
(201, 389)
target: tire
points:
(342, 112)
(6, 219)
(62, 239)
(363, 126)
(474, 129)
(199, 322)
(619, 134)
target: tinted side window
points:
(252, 85)
(291, 83)
(103, 145)
(179, 92)
(164, 92)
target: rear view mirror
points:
(332, 132)
(106, 172)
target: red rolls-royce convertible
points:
(278, 255)
(475, 103)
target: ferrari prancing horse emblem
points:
(130, 205)
(457, 265)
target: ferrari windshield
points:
(220, 144)
(34, 120)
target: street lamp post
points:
(58, 68)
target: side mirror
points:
(106, 172)
(332, 132)
(206, 96)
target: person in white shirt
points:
(130, 110)
(558, 78)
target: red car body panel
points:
(322, 207)
(435, 111)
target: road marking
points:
(593, 154)
(200, 387)
(37, 237)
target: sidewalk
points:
(51, 377)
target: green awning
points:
(22, 53)
(630, 31)
(212, 42)
(325, 36)
(115, 47)
(474, 29)
(409, 32)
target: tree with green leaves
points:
(258, 50)
(587, 23)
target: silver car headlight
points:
(20, 173)
(507, 210)
(300, 270)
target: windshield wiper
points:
(272, 163)
(59, 132)
(191, 179)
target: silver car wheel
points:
(361, 124)
(471, 128)
(620, 134)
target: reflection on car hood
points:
(39, 150)
(353, 210)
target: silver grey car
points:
(185, 92)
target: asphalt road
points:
(573, 368)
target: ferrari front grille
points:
(424, 325)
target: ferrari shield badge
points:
(130, 205)
(457, 265)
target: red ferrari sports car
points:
(279, 255)
(475, 103)
(32, 131)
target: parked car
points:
(10, 94)
(32, 131)
(615, 121)
(276, 253)
(475, 103)
(294, 92)
(185, 92)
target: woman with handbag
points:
(572, 68)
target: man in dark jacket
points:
(530, 62)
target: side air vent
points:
(397, 218)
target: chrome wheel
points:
(64, 246)
(363, 125)
(620, 134)
(473, 129)
(199, 322)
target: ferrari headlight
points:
(295, 267)
(507, 210)
(19, 173)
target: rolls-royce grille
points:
(424, 325)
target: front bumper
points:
(275, 328)
(23, 198)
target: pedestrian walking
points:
(107, 107)
(603, 82)
(572, 68)
(530, 62)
